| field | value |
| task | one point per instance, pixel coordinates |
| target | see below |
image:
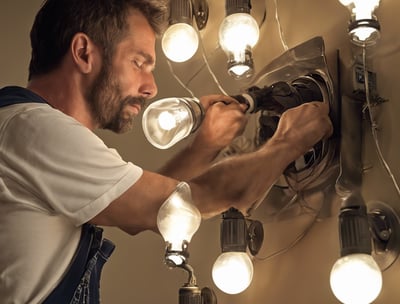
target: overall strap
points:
(13, 94)
(84, 272)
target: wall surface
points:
(301, 239)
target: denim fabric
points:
(81, 283)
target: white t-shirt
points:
(55, 175)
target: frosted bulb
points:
(356, 279)
(237, 32)
(180, 42)
(178, 219)
(232, 272)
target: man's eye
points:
(138, 63)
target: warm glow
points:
(363, 33)
(167, 121)
(178, 219)
(239, 69)
(356, 279)
(362, 9)
(232, 272)
(237, 32)
(180, 42)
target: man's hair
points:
(104, 21)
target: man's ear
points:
(83, 52)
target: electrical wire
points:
(280, 30)
(171, 69)
(299, 237)
(374, 126)
(203, 53)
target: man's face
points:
(125, 80)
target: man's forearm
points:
(189, 162)
(240, 180)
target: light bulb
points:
(364, 28)
(167, 121)
(238, 34)
(178, 219)
(232, 272)
(180, 42)
(356, 279)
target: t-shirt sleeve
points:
(65, 167)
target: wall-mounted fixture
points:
(369, 243)
(180, 41)
(364, 28)
(178, 220)
(233, 270)
(238, 34)
(167, 121)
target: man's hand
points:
(303, 126)
(225, 119)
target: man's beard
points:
(108, 106)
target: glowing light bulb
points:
(356, 279)
(238, 34)
(364, 28)
(232, 272)
(167, 121)
(178, 219)
(180, 42)
(238, 31)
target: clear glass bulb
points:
(237, 32)
(167, 121)
(180, 42)
(232, 272)
(356, 279)
(178, 219)
(362, 12)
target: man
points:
(91, 67)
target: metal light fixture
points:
(167, 121)
(233, 270)
(238, 34)
(178, 220)
(364, 28)
(180, 41)
(369, 244)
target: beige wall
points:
(135, 273)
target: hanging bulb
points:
(180, 42)
(178, 220)
(232, 272)
(238, 34)
(356, 279)
(167, 121)
(364, 27)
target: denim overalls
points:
(80, 285)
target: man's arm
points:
(236, 181)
